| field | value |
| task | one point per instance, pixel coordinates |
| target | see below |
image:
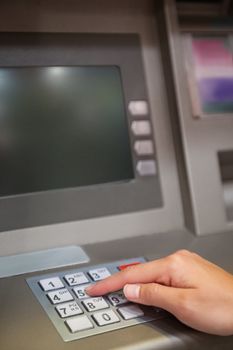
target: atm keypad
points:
(75, 314)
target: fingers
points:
(167, 298)
(143, 273)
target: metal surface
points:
(41, 260)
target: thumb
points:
(155, 294)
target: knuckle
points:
(184, 252)
(174, 262)
(177, 259)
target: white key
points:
(138, 108)
(117, 298)
(99, 274)
(146, 167)
(80, 323)
(94, 304)
(80, 291)
(141, 128)
(60, 296)
(51, 283)
(69, 309)
(130, 311)
(144, 148)
(75, 279)
(104, 318)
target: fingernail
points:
(88, 289)
(132, 291)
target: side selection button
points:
(138, 108)
(146, 168)
(144, 148)
(141, 128)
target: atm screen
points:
(62, 127)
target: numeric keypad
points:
(77, 315)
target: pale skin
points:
(195, 291)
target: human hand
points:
(195, 291)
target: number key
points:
(51, 283)
(117, 298)
(99, 274)
(60, 296)
(69, 309)
(75, 279)
(80, 291)
(93, 304)
(103, 318)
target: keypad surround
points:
(75, 314)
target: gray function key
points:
(78, 324)
(99, 274)
(130, 311)
(75, 279)
(93, 304)
(60, 296)
(69, 309)
(117, 298)
(51, 283)
(103, 318)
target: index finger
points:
(142, 273)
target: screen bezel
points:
(71, 204)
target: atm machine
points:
(116, 147)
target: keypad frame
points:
(59, 323)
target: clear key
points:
(93, 304)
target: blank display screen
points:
(62, 127)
